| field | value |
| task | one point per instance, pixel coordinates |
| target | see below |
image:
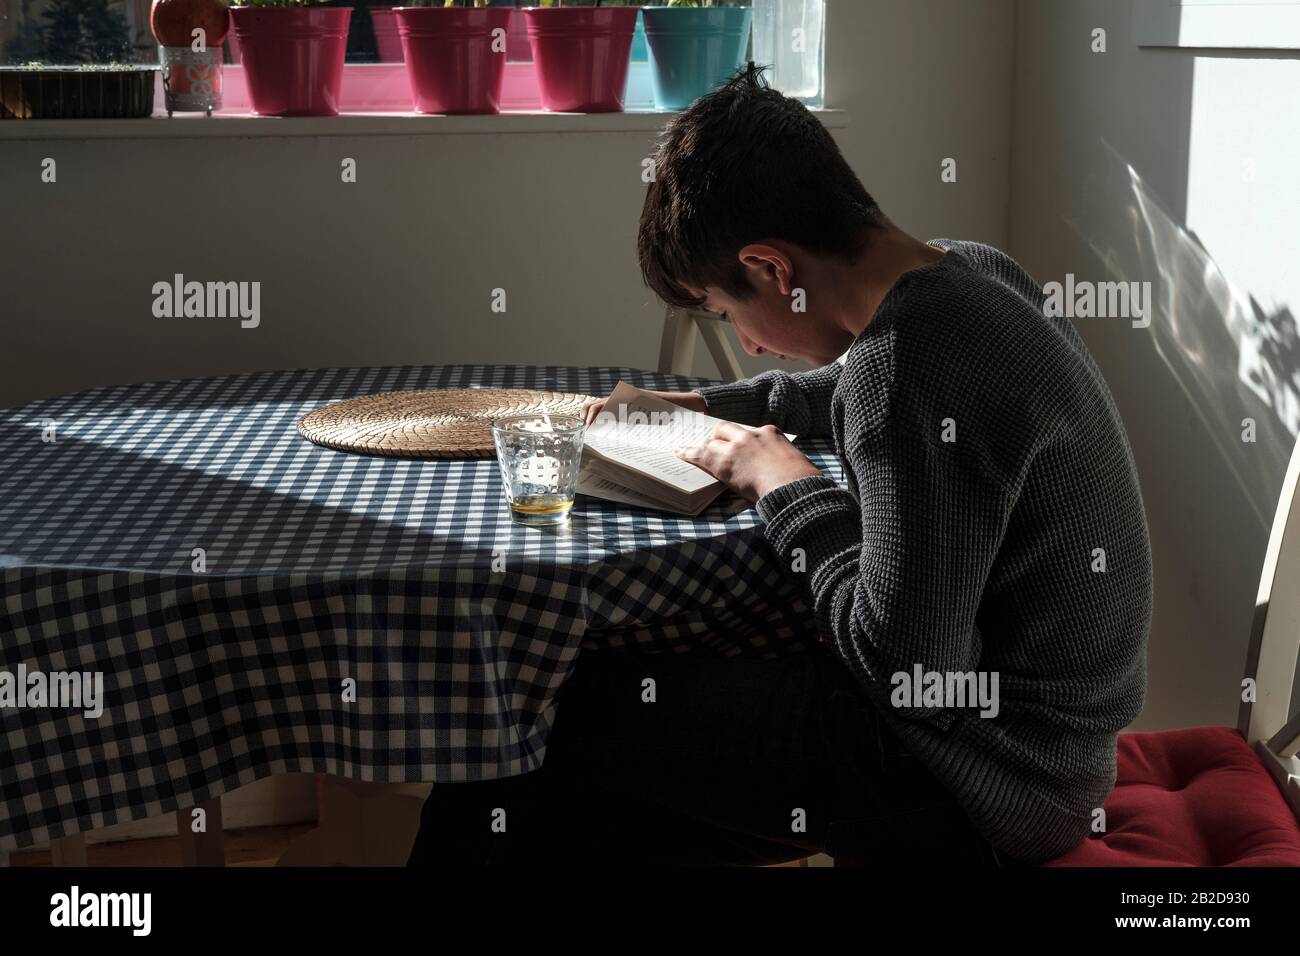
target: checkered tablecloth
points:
(372, 618)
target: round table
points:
(257, 604)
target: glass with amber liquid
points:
(539, 457)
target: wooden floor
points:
(259, 846)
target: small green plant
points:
(36, 66)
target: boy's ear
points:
(768, 264)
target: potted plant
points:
(695, 46)
(85, 91)
(517, 47)
(581, 53)
(292, 52)
(455, 55)
(388, 42)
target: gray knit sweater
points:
(993, 524)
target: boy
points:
(992, 535)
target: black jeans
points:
(736, 761)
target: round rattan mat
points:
(428, 423)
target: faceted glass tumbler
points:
(539, 457)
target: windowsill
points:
(196, 125)
(376, 101)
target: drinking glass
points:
(539, 456)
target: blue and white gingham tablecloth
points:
(373, 618)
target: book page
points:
(657, 463)
(592, 484)
(639, 431)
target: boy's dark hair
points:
(743, 164)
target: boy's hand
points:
(751, 463)
(692, 400)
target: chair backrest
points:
(1265, 717)
(677, 346)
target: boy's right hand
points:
(692, 400)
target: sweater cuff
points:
(781, 497)
(738, 402)
(813, 514)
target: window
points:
(1218, 24)
(76, 31)
(787, 34)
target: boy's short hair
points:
(745, 164)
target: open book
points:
(627, 454)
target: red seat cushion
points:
(1195, 797)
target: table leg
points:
(359, 824)
(202, 849)
(68, 850)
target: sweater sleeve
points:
(897, 576)
(799, 403)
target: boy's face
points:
(762, 326)
(766, 322)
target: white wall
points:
(1175, 167)
(396, 269)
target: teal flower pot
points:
(640, 52)
(693, 50)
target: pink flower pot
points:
(581, 55)
(387, 40)
(517, 46)
(293, 57)
(455, 59)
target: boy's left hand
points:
(751, 463)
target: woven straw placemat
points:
(428, 423)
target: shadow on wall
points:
(1243, 368)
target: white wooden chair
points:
(677, 347)
(1267, 723)
(1202, 796)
